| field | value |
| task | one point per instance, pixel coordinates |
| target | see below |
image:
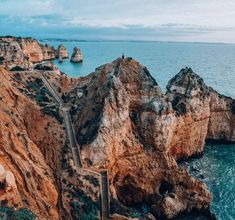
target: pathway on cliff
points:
(104, 182)
(105, 195)
(68, 124)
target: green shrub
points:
(86, 208)
(24, 214)
(21, 214)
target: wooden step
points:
(105, 206)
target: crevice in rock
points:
(165, 188)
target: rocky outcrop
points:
(221, 127)
(77, 56)
(204, 114)
(22, 53)
(190, 100)
(49, 52)
(125, 124)
(62, 52)
(12, 56)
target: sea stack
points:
(77, 56)
(62, 52)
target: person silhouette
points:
(123, 57)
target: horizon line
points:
(131, 41)
(107, 40)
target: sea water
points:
(217, 169)
(215, 63)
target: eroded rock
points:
(21, 53)
(125, 123)
(62, 52)
(77, 56)
(8, 188)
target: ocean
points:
(215, 63)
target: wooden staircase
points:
(72, 139)
(105, 207)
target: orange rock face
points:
(30, 151)
(22, 53)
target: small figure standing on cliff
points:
(123, 57)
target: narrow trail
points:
(103, 175)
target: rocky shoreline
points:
(123, 123)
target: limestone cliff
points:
(30, 149)
(221, 126)
(37, 171)
(22, 53)
(125, 124)
(202, 114)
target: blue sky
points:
(172, 20)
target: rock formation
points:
(22, 53)
(30, 146)
(35, 153)
(47, 66)
(62, 52)
(125, 123)
(8, 188)
(77, 56)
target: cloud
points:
(153, 20)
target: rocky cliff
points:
(22, 53)
(126, 124)
(37, 171)
(123, 123)
(30, 148)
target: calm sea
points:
(215, 63)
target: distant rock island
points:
(62, 52)
(101, 146)
(77, 56)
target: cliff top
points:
(187, 83)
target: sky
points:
(150, 20)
